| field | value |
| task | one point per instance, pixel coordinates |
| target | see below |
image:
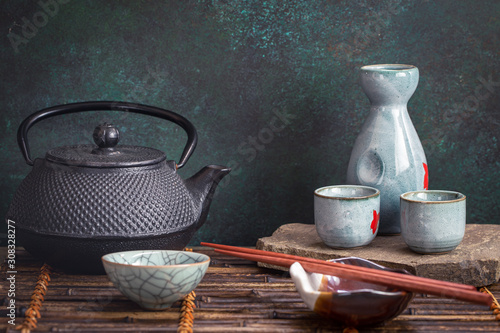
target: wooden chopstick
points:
(399, 282)
(342, 266)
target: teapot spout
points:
(202, 188)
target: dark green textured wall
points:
(271, 87)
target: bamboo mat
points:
(234, 296)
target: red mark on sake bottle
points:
(426, 177)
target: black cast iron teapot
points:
(83, 201)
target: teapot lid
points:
(105, 154)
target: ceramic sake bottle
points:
(388, 154)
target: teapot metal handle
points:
(22, 133)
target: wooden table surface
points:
(234, 296)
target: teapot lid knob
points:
(105, 153)
(106, 136)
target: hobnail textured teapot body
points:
(86, 202)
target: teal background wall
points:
(271, 86)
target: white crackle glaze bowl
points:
(158, 278)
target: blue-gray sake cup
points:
(433, 221)
(346, 216)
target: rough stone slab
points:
(476, 261)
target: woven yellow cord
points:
(186, 318)
(33, 313)
(494, 306)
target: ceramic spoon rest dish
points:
(351, 302)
